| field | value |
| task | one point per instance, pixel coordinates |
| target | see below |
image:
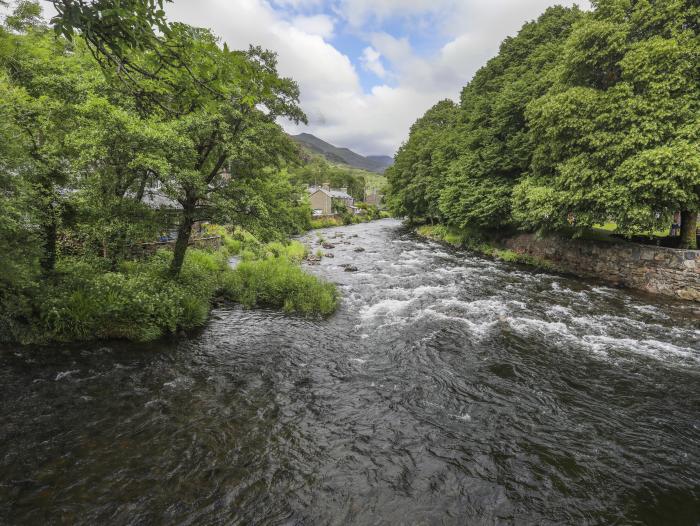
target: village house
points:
(322, 200)
(373, 198)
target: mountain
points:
(382, 160)
(373, 163)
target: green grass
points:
(326, 222)
(612, 228)
(279, 283)
(444, 234)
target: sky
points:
(368, 69)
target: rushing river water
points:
(448, 389)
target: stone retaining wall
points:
(657, 270)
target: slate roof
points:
(333, 193)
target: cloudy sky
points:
(368, 68)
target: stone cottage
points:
(322, 199)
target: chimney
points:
(326, 187)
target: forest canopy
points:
(582, 118)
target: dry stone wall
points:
(657, 270)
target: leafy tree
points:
(113, 29)
(46, 84)
(266, 203)
(496, 144)
(460, 164)
(618, 135)
(224, 131)
(118, 156)
(417, 176)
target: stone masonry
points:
(657, 270)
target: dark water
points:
(448, 389)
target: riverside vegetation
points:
(583, 119)
(140, 301)
(477, 241)
(110, 136)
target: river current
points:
(447, 389)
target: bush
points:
(140, 301)
(279, 283)
(326, 222)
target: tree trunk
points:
(183, 239)
(689, 226)
(50, 233)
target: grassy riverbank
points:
(141, 301)
(482, 243)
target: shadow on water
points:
(448, 389)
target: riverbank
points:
(481, 244)
(140, 301)
(656, 270)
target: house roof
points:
(338, 194)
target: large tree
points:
(417, 175)
(45, 84)
(460, 164)
(618, 136)
(497, 144)
(222, 105)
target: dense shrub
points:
(140, 301)
(279, 283)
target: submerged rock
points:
(328, 246)
(359, 249)
(350, 268)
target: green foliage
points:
(141, 302)
(95, 161)
(617, 135)
(278, 283)
(482, 242)
(461, 163)
(582, 118)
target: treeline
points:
(583, 118)
(316, 171)
(117, 127)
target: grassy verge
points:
(479, 242)
(326, 222)
(139, 301)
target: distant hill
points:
(373, 163)
(382, 160)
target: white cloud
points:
(298, 4)
(339, 110)
(371, 60)
(321, 25)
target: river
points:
(448, 389)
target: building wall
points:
(657, 270)
(321, 201)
